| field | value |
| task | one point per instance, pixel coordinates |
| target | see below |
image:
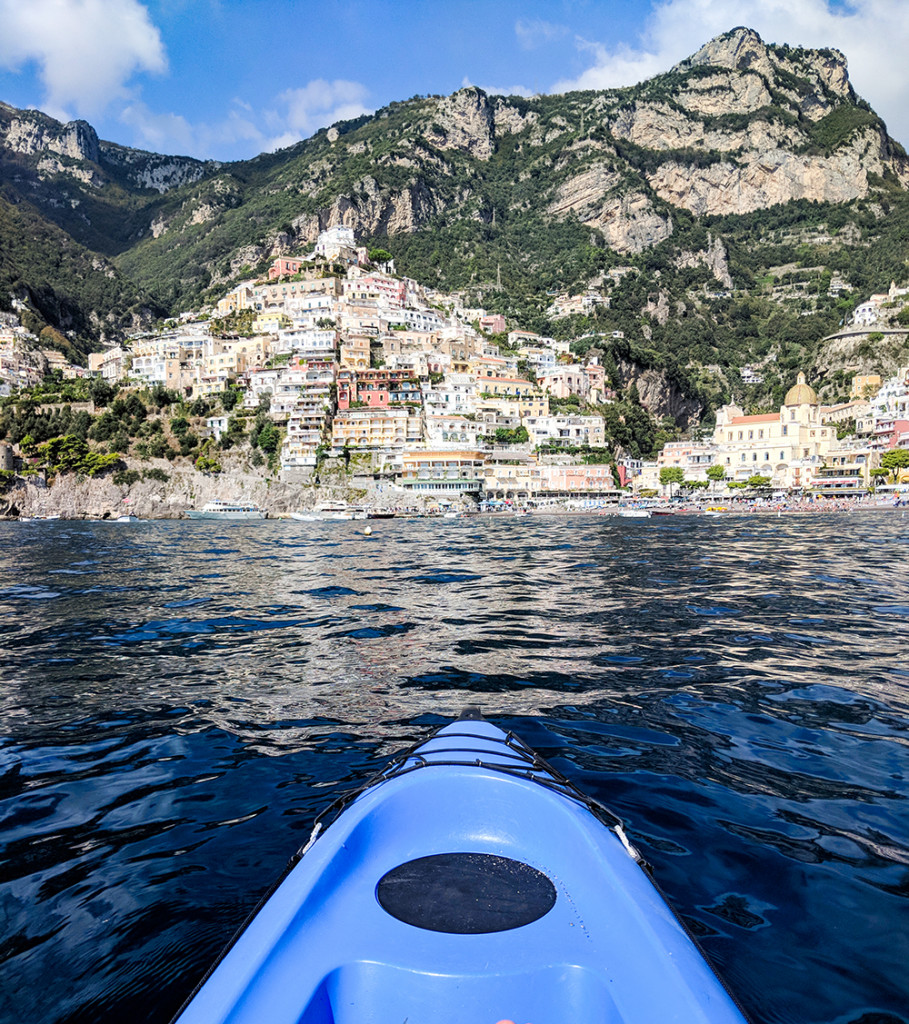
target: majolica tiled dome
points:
(801, 393)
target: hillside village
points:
(333, 359)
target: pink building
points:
(492, 324)
(389, 290)
(377, 389)
(577, 480)
(891, 433)
(283, 267)
(564, 381)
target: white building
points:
(566, 431)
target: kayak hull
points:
(504, 899)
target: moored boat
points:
(339, 510)
(226, 510)
(469, 881)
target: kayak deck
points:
(460, 889)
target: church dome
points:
(801, 393)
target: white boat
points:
(306, 517)
(226, 510)
(634, 513)
(127, 519)
(339, 510)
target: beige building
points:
(512, 476)
(786, 446)
(515, 406)
(355, 352)
(108, 364)
(375, 428)
(693, 456)
(446, 473)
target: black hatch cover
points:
(466, 893)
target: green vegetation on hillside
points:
(486, 216)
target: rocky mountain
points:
(745, 163)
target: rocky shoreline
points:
(72, 496)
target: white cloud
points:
(295, 114)
(86, 50)
(536, 33)
(316, 105)
(873, 34)
(174, 135)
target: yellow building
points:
(786, 446)
(240, 298)
(865, 385)
(845, 471)
(271, 321)
(355, 352)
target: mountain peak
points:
(742, 50)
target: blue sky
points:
(231, 78)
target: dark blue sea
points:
(180, 699)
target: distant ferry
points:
(226, 510)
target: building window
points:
(750, 435)
(785, 430)
(782, 456)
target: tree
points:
(161, 397)
(716, 473)
(895, 460)
(229, 398)
(379, 256)
(101, 392)
(757, 481)
(672, 475)
(268, 437)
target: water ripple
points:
(180, 700)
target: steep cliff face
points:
(77, 497)
(738, 127)
(30, 133)
(152, 171)
(659, 396)
(374, 211)
(464, 122)
(759, 179)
